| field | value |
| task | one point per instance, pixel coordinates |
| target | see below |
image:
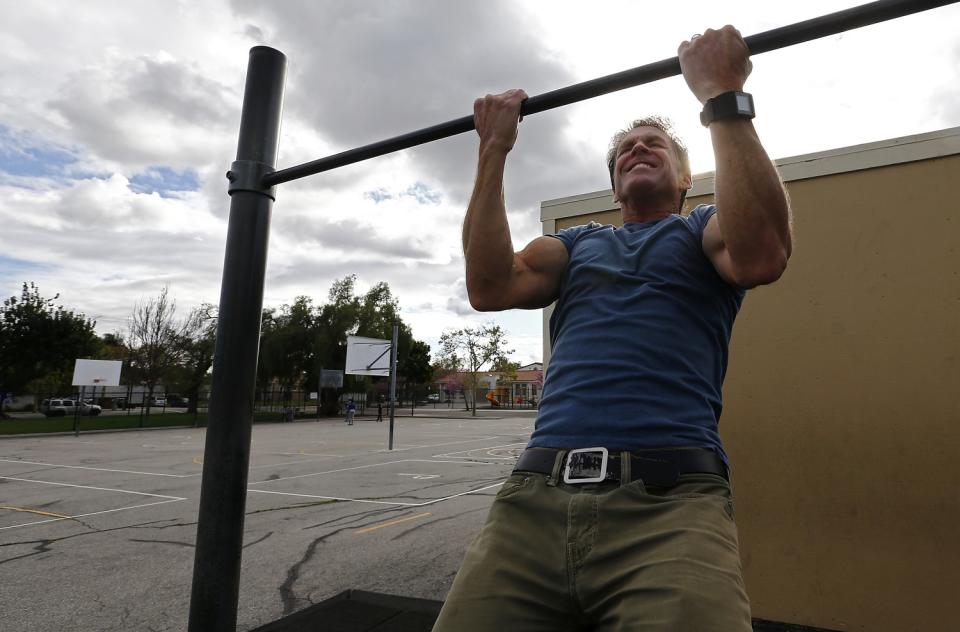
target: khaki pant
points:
(602, 557)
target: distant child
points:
(351, 409)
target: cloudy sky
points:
(119, 119)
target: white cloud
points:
(126, 90)
(149, 110)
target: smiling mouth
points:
(640, 165)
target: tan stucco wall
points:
(842, 414)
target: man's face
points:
(646, 165)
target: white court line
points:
(452, 455)
(101, 489)
(356, 454)
(305, 454)
(169, 499)
(360, 467)
(319, 457)
(374, 502)
(252, 467)
(437, 445)
(97, 469)
(95, 513)
(378, 502)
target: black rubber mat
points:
(361, 611)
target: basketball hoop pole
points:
(393, 378)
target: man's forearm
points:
(752, 207)
(487, 246)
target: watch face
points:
(727, 105)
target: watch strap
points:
(733, 104)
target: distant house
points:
(516, 390)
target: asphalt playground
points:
(97, 531)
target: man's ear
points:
(686, 182)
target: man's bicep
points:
(716, 250)
(537, 271)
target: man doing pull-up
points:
(619, 514)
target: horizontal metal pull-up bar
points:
(823, 26)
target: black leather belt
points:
(661, 468)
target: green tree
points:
(194, 346)
(113, 347)
(286, 345)
(39, 341)
(506, 368)
(473, 348)
(265, 361)
(299, 340)
(336, 319)
(415, 366)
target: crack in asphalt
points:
(433, 522)
(249, 544)
(358, 516)
(44, 545)
(409, 496)
(294, 506)
(287, 594)
(189, 545)
(349, 522)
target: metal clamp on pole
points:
(247, 175)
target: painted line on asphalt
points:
(354, 500)
(357, 454)
(95, 469)
(378, 502)
(361, 467)
(452, 455)
(168, 499)
(437, 445)
(34, 511)
(393, 522)
(101, 489)
(95, 513)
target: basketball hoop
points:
(97, 373)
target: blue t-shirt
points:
(639, 336)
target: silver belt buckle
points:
(586, 465)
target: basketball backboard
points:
(97, 372)
(367, 356)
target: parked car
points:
(64, 406)
(158, 401)
(177, 401)
(433, 397)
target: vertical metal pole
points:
(76, 413)
(216, 571)
(393, 379)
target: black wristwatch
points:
(727, 106)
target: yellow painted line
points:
(393, 522)
(35, 511)
(198, 460)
